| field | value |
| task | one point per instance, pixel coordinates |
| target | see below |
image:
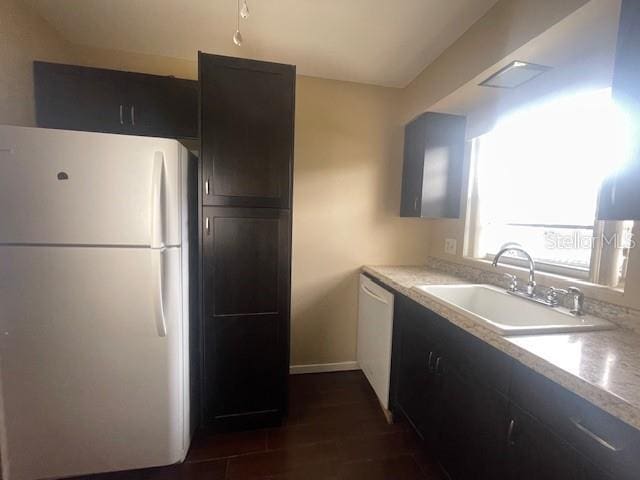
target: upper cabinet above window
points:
(620, 195)
(433, 159)
(626, 75)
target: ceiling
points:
(382, 42)
(580, 49)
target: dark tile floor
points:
(335, 431)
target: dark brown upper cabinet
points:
(98, 100)
(626, 75)
(247, 118)
(162, 106)
(620, 195)
(433, 162)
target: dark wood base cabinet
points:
(535, 453)
(487, 416)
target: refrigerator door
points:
(80, 188)
(91, 360)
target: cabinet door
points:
(78, 98)
(418, 387)
(626, 77)
(535, 453)
(433, 159)
(161, 106)
(593, 472)
(412, 169)
(620, 196)
(247, 115)
(474, 425)
(605, 440)
(246, 279)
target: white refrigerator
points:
(94, 371)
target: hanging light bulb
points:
(244, 11)
(237, 38)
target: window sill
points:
(543, 267)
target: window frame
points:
(603, 255)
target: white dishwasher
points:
(375, 324)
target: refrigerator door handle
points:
(158, 291)
(157, 206)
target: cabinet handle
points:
(415, 204)
(373, 295)
(512, 426)
(429, 366)
(206, 187)
(597, 438)
(133, 115)
(121, 118)
(437, 369)
(207, 225)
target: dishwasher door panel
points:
(375, 325)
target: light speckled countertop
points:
(602, 367)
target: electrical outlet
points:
(450, 246)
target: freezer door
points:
(81, 188)
(91, 360)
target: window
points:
(535, 182)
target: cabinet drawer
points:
(605, 440)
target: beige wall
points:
(346, 206)
(137, 62)
(24, 37)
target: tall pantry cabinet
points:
(246, 131)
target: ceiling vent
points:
(514, 75)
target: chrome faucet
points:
(531, 284)
(577, 298)
(550, 298)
